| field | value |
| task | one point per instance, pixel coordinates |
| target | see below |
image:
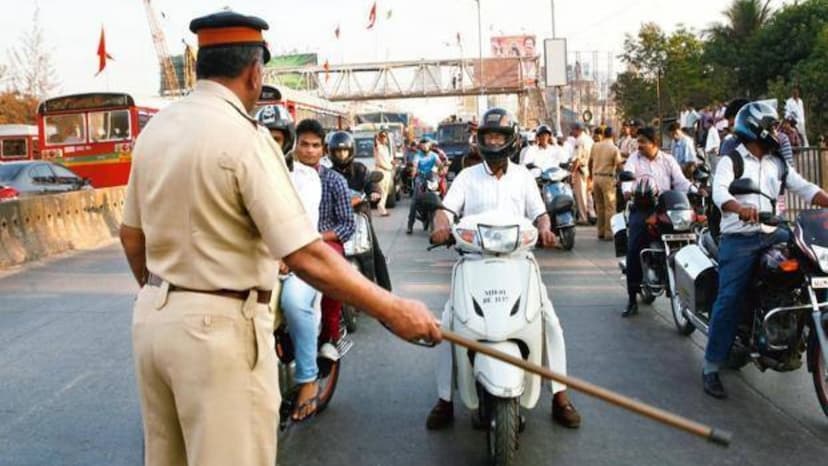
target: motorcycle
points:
(428, 186)
(496, 298)
(669, 229)
(788, 297)
(328, 359)
(560, 203)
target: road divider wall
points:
(35, 227)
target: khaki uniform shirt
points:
(212, 194)
(605, 157)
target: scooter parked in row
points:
(788, 296)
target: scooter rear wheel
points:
(647, 296)
(567, 238)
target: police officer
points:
(209, 207)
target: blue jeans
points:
(300, 305)
(738, 256)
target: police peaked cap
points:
(230, 28)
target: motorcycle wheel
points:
(349, 317)
(504, 426)
(328, 377)
(568, 238)
(820, 374)
(683, 325)
(647, 296)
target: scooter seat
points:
(711, 245)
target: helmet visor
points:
(494, 140)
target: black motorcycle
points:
(788, 296)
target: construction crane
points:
(164, 60)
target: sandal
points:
(308, 407)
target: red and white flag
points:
(372, 16)
(103, 56)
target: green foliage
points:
(755, 53)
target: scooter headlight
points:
(682, 220)
(821, 254)
(497, 239)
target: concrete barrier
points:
(36, 227)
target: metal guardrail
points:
(812, 164)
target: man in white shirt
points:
(383, 161)
(742, 241)
(545, 153)
(688, 118)
(498, 184)
(794, 107)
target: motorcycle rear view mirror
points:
(432, 201)
(375, 176)
(744, 186)
(626, 176)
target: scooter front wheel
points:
(504, 426)
(683, 325)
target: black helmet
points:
(277, 117)
(756, 122)
(498, 120)
(337, 141)
(543, 129)
(645, 194)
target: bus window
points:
(109, 126)
(15, 148)
(66, 129)
(143, 119)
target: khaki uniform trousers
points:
(385, 187)
(579, 188)
(603, 191)
(207, 377)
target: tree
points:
(33, 72)
(17, 108)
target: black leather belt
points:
(262, 298)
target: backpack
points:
(714, 217)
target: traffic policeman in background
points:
(209, 209)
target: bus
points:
(18, 142)
(93, 133)
(301, 105)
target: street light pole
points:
(557, 88)
(480, 56)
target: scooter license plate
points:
(819, 282)
(679, 237)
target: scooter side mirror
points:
(744, 186)
(626, 176)
(375, 176)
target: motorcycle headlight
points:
(499, 240)
(681, 219)
(821, 254)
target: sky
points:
(417, 29)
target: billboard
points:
(555, 62)
(513, 46)
(292, 61)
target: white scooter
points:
(497, 298)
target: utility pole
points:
(558, 89)
(480, 56)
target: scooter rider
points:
(654, 172)
(341, 151)
(546, 153)
(742, 241)
(424, 162)
(500, 184)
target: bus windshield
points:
(65, 129)
(452, 134)
(109, 125)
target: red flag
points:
(372, 17)
(336, 31)
(102, 55)
(327, 68)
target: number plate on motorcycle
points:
(679, 237)
(819, 282)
